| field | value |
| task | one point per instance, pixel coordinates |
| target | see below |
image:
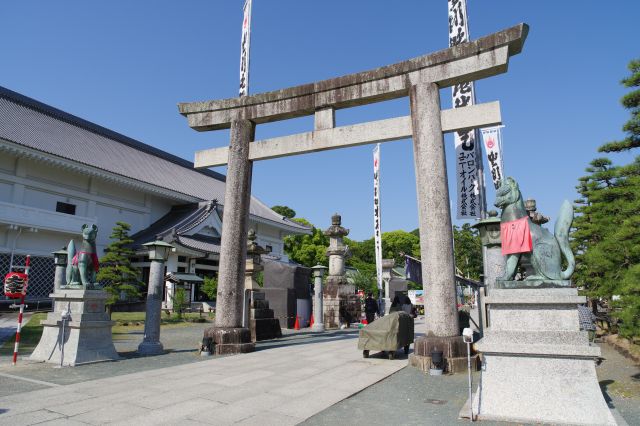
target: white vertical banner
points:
(492, 140)
(468, 153)
(376, 214)
(244, 49)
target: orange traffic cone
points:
(311, 321)
(296, 326)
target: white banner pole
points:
(471, 199)
(376, 217)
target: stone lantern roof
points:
(335, 230)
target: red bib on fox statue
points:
(516, 236)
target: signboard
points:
(416, 297)
(468, 152)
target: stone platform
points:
(262, 324)
(538, 367)
(87, 335)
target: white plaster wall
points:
(7, 163)
(38, 171)
(34, 197)
(119, 192)
(159, 207)
(41, 186)
(6, 189)
(269, 235)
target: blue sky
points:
(125, 65)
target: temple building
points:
(58, 172)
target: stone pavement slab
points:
(275, 385)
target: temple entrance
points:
(420, 79)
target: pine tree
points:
(116, 273)
(607, 234)
(630, 101)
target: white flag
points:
(492, 140)
(244, 49)
(376, 214)
(468, 154)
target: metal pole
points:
(469, 373)
(66, 315)
(62, 342)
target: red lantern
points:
(15, 285)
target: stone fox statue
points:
(83, 265)
(547, 249)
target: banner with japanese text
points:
(376, 214)
(491, 138)
(244, 49)
(468, 151)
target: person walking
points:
(370, 308)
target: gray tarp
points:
(389, 333)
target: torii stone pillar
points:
(228, 333)
(436, 236)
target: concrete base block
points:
(87, 335)
(228, 340)
(537, 366)
(541, 390)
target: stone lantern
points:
(158, 254)
(340, 303)
(60, 258)
(337, 251)
(493, 261)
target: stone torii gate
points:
(420, 79)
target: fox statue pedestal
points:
(87, 333)
(538, 367)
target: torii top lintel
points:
(475, 60)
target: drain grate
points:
(435, 401)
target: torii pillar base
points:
(230, 340)
(454, 353)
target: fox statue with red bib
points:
(83, 265)
(526, 242)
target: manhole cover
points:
(436, 401)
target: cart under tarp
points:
(388, 334)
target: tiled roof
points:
(32, 124)
(181, 219)
(201, 243)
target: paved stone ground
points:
(320, 378)
(285, 381)
(409, 397)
